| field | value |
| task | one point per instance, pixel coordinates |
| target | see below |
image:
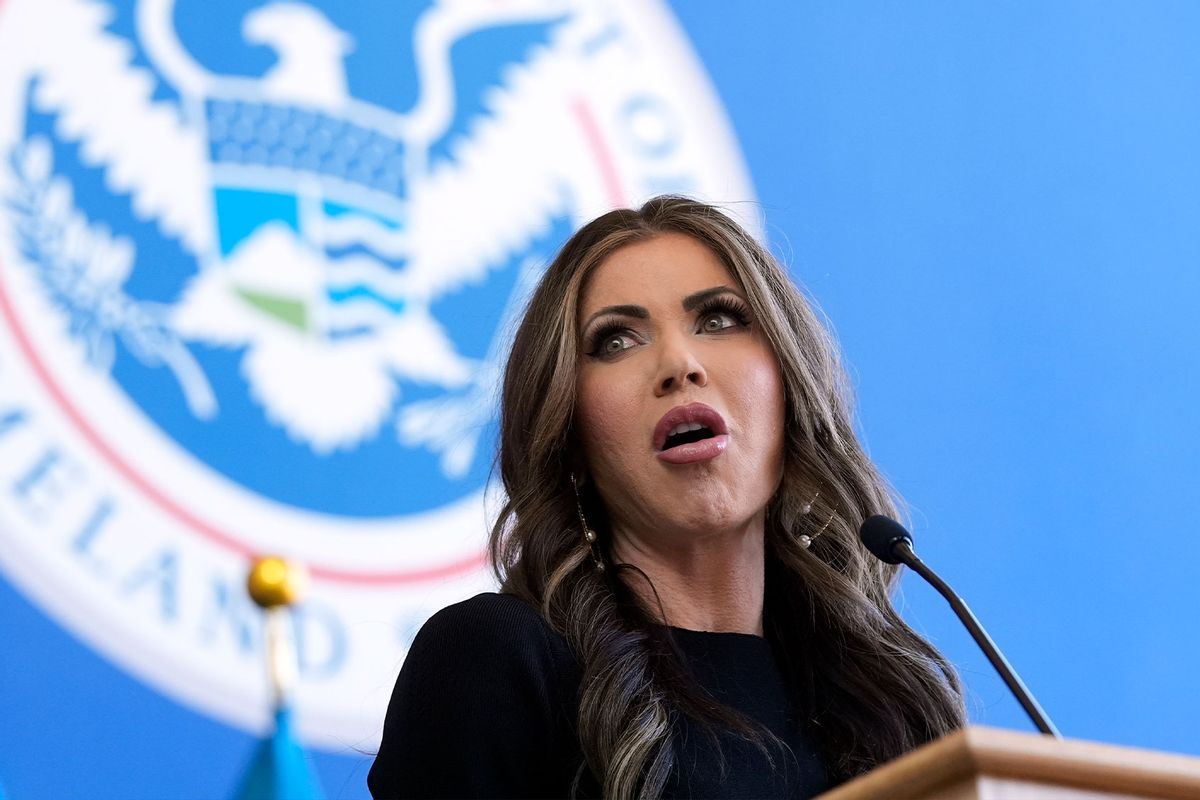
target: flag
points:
(280, 769)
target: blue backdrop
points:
(997, 206)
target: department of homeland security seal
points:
(258, 267)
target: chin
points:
(713, 513)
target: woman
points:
(685, 607)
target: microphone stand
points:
(904, 553)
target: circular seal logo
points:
(259, 263)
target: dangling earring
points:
(589, 535)
(806, 540)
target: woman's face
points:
(680, 400)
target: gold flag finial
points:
(276, 584)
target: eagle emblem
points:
(319, 274)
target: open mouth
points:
(686, 433)
(690, 433)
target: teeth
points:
(685, 427)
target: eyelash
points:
(602, 334)
(725, 304)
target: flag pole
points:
(280, 768)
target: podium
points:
(978, 763)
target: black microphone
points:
(890, 542)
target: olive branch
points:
(82, 267)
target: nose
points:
(678, 366)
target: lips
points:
(691, 433)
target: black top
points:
(487, 702)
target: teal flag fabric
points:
(280, 768)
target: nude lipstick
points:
(691, 433)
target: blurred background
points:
(258, 262)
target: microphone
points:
(890, 542)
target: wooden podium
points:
(991, 764)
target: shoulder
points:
(493, 632)
(487, 620)
(482, 697)
(494, 649)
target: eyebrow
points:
(638, 312)
(690, 303)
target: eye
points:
(610, 340)
(717, 322)
(722, 313)
(614, 344)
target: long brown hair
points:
(871, 686)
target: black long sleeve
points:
(480, 708)
(487, 701)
